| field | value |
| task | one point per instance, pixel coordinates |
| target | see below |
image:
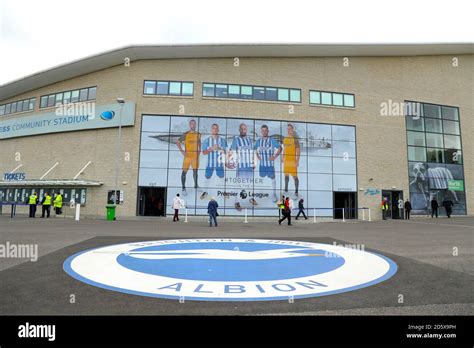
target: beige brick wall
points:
(381, 141)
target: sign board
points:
(14, 176)
(69, 119)
(110, 197)
(456, 185)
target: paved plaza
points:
(435, 260)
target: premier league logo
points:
(229, 269)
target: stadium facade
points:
(341, 126)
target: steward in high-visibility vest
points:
(384, 207)
(33, 201)
(58, 203)
(46, 205)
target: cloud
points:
(36, 35)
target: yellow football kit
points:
(290, 164)
(192, 141)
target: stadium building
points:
(341, 126)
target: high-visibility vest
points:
(33, 199)
(47, 200)
(384, 206)
(58, 201)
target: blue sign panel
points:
(65, 119)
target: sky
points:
(36, 35)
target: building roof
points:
(115, 57)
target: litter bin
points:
(110, 212)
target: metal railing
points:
(345, 213)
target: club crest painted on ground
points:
(229, 269)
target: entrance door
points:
(346, 200)
(152, 201)
(394, 199)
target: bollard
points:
(314, 216)
(343, 215)
(246, 221)
(369, 215)
(78, 211)
(186, 215)
(363, 214)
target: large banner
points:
(247, 163)
(70, 117)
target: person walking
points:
(448, 205)
(286, 212)
(434, 207)
(384, 208)
(212, 211)
(281, 208)
(33, 201)
(407, 207)
(58, 203)
(301, 209)
(46, 205)
(177, 204)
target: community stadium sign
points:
(55, 122)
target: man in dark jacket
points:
(448, 205)
(286, 212)
(212, 211)
(434, 207)
(407, 209)
(301, 209)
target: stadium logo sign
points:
(229, 269)
(107, 115)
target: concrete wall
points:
(381, 140)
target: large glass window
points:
(82, 95)
(435, 161)
(331, 99)
(18, 106)
(221, 90)
(250, 162)
(151, 87)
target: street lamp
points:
(121, 102)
